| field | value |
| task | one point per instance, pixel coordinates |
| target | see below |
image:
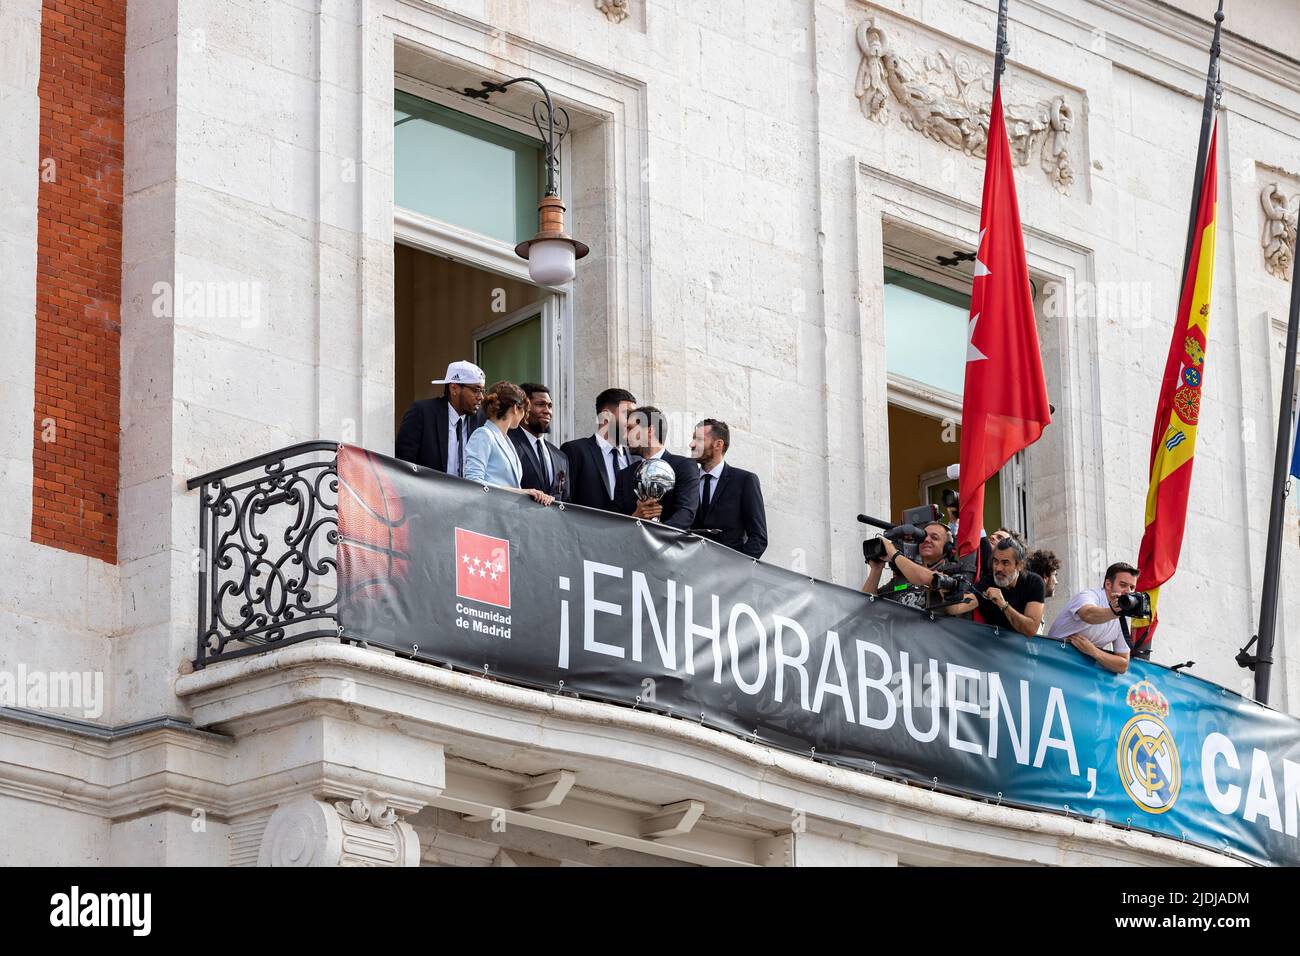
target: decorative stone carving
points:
(616, 11)
(362, 832)
(948, 98)
(1279, 235)
(369, 808)
(1056, 146)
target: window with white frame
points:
(927, 314)
(466, 183)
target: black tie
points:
(704, 498)
(613, 460)
(546, 465)
(460, 447)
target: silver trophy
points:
(654, 479)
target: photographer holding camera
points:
(1006, 595)
(1094, 620)
(914, 578)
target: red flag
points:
(1004, 406)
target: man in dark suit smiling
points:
(595, 461)
(731, 508)
(545, 467)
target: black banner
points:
(486, 579)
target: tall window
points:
(925, 355)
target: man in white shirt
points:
(1092, 623)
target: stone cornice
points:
(61, 762)
(101, 732)
(1181, 27)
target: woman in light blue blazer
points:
(490, 456)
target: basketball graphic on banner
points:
(373, 546)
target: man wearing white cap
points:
(434, 431)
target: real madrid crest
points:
(1149, 766)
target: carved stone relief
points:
(947, 96)
(1279, 234)
(616, 11)
(364, 832)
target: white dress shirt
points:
(543, 456)
(605, 457)
(716, 472)
(453, 449)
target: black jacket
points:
(586, 483)
(422, 436)
(533, 476)
(736, 510)
(679, 505)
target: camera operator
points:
(1094, 621)
(912, 580)
(1007, 595)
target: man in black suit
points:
(646, 433)
(434, 431)
(595, 461)
(731, 502)
(545, 467)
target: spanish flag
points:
(1173, 441)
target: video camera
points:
(953, 578)
(907, 536)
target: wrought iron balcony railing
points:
(268, 529)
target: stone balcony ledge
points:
(430, 737)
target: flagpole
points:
(1263, 659)
(1207, 116)
(1000, 59)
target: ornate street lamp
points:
(552, 253)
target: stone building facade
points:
(203, 253)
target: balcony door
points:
(517, 347)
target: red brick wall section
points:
(78, 278)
